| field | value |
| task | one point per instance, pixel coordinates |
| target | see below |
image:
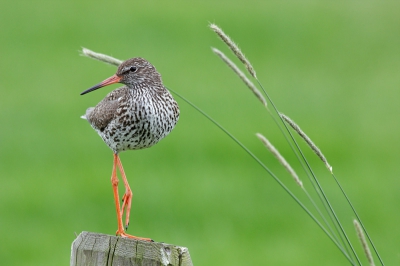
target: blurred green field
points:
(332, 67)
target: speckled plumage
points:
(137, 115)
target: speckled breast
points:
(141, 121)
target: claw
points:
(126, 227)
(123, 234)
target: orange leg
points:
(127, 198)
(114, 182)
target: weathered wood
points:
(93, 249)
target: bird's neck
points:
(147, 82)
(145, 85)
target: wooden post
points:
(104, 250)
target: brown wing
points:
(104, 112)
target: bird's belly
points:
(134, 133)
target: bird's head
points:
(135, 73)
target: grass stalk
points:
(322, 157)
(280, 158)
(364, 243)
(309, 176)
(359, 220)
(235, 49)
(310, 143)
(228, 41)
(101, 57)
(241, 75)
(287, 190)
(319, 189)
(322, 198)
(262, 99)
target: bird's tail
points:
(88, 111)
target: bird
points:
(132, 117)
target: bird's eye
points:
(132, 69)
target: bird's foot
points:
(126, 206)
(123, 234)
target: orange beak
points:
(109, 81)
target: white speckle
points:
(120, 99)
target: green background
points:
(332, 67)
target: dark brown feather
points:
(100, 116)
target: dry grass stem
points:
(235, 49)
(102, 57)
(310, 143)
(280, 158)
(242, 76)
(364, 243)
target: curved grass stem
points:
(359, 220)
(313, 175)
(312, 182)
(255, 91)
(270, 173)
